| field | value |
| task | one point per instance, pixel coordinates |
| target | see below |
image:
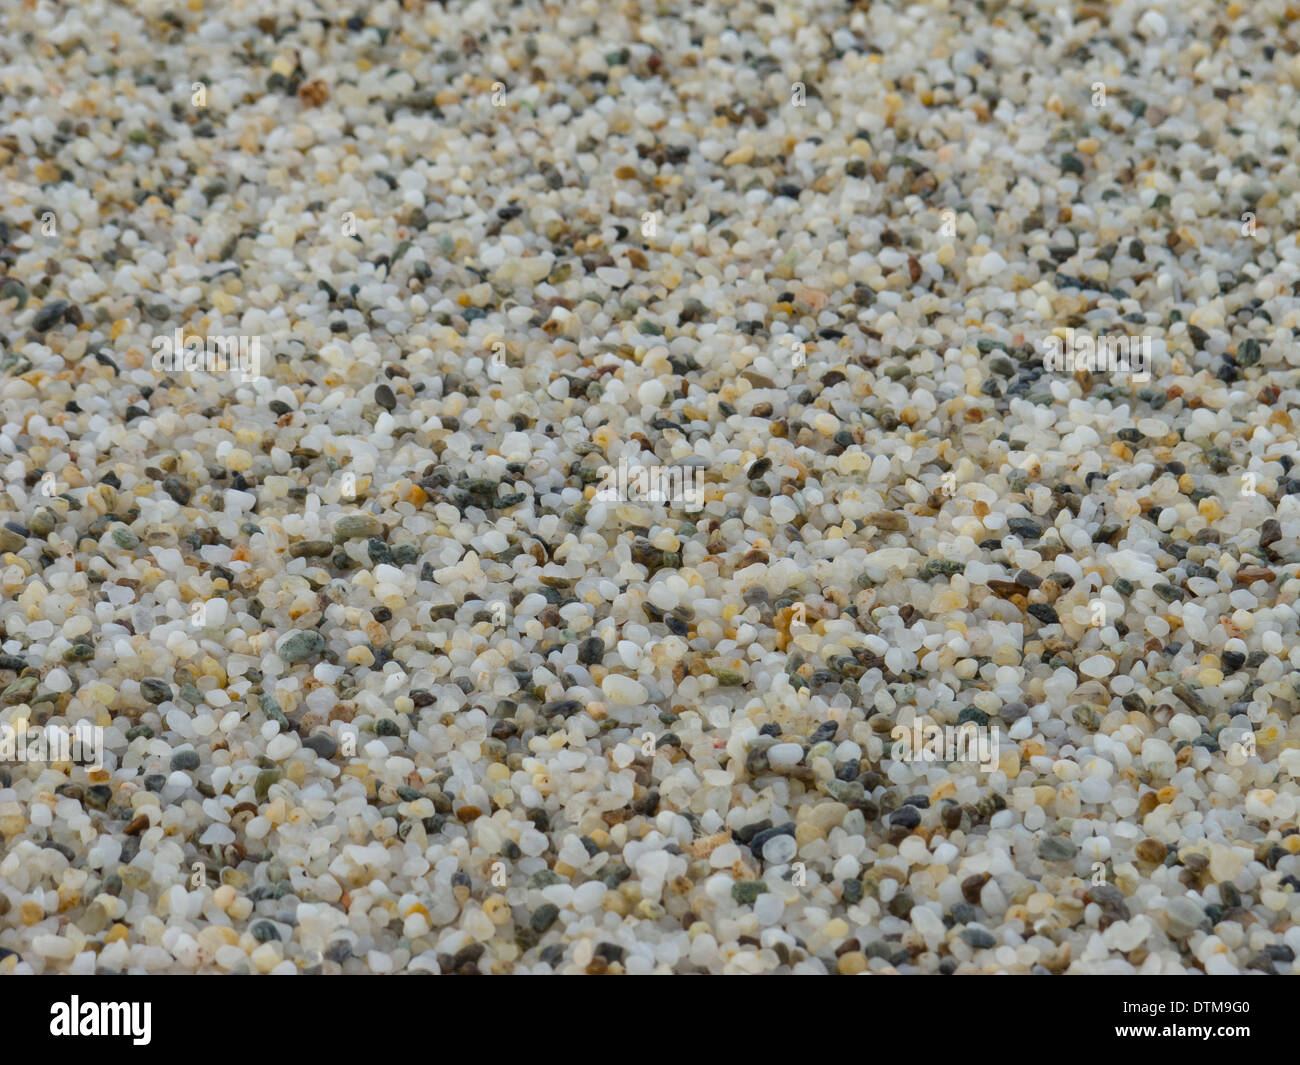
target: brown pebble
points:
(469, 813)
(757, 379)
(314, 93)
(1152, 850)
(847, 946)
(972, 886)
(138, 824)
(1270, 532)
(343, 712)
(888, 520)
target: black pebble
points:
(906, 817)
(48, 316)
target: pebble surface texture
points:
(386, 686)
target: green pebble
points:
(357, 527)
(43, 521)
(746, 891)
(264, 780)
(265, 932)
(302, 645)
(544, 878)
(185, 761)
(19, 691)
(1057, 849)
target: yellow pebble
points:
(836, 929)
(1040, 902)
(852, 963)
(360, 655)
(1209, 509)
(946, 790)
(807, 833)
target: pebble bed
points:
(387, 686)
